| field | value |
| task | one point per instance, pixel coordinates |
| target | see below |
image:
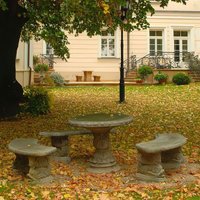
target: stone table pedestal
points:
(100, 125)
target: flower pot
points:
(139, 81)
(163, 81)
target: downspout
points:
(128, 51)
(28, 61)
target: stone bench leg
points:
(172, 159)
(21, 164)
(39, 168)
(149, 167)
(61, 143)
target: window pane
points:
(49, 49)
(176, 42)
(104, 50)
(111, 41)
(152, 41)
(159, 41)
(184, 33)
(111, 50)
(152, 53)
(103, 33)
(111, 47)
(152, 47)
(152, 33)
(184, 47)
(177, 33)
(176, 57)
(159, 48)
(176, 47)
(104, 41)
(159, 33)
(184, 42)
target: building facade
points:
(24, 73)
(173, 31)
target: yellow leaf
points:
(45, 193)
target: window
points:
(156, 42)
(49, 49)
(108, 45)
(180, 45)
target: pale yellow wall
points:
(84, 51)
(22, 70)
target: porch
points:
(169, 63)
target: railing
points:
(161, 60)
(48, 59)
(130, 64)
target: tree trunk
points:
(11, 23)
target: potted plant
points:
(138, 80)
(144, 71)
(41, 68)
(161, 77)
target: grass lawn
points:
(155, 109)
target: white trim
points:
(117, 43)
(44, 46)
(25, 55)
(191, 38)
(172, 17)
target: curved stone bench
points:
(31, 157)
(155, 156)
(59, 139)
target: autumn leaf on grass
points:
(45, 193)
(103, 196)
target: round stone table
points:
(100, 125)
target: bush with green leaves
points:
(181, 79)
(160, 76)
(144, 71)
(41, 67)
(37, 100)
(57, 78)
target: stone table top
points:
(98, 120)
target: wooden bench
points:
(158, 155)
(59, 139)
(31, 158)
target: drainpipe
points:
(128, 51)
(28, 61)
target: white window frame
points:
(180, 39)
(116, 44)
(45, 49)
(155, 38)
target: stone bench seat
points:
(156, 156)
(64, 133)
(30, 147)
(31, 157)
(59, 139)
(162, 142)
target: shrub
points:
(160, 77)
(181, 79)
(41, 68)
(36, 60)
(37, 100)
(145, 71)
(57, 78)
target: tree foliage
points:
(53, 20)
